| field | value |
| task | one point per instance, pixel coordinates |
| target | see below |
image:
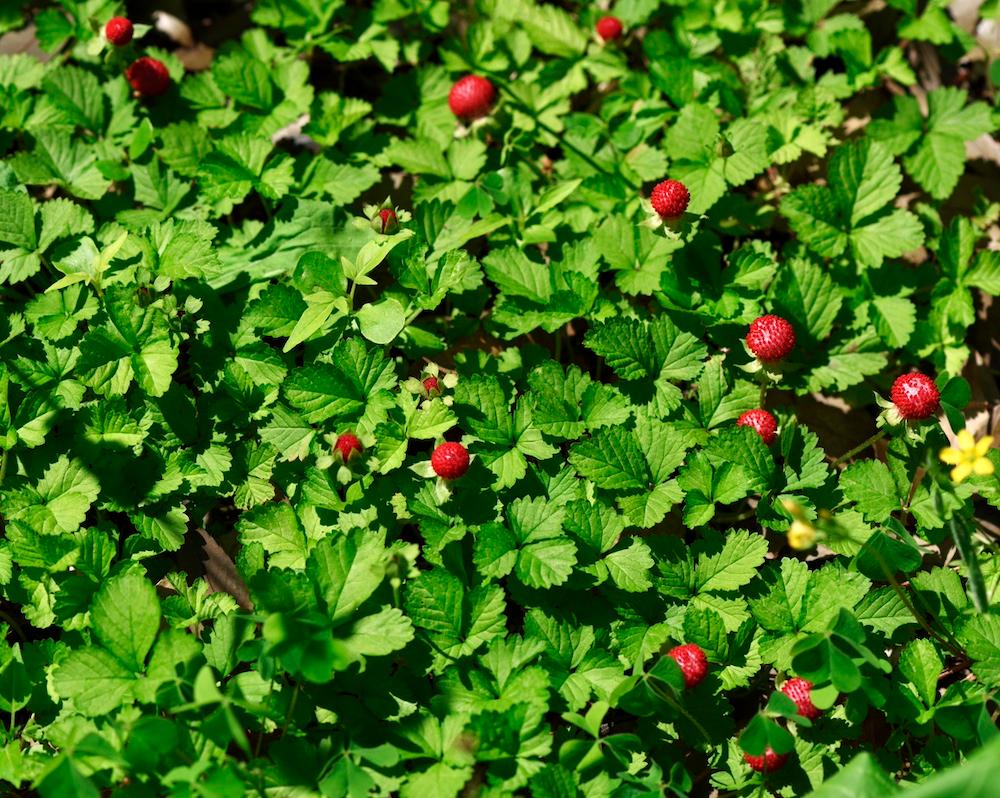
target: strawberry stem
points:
(860, 447)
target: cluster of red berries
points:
(472, 96)
(147, 76)
(800, 691)
(449, 460)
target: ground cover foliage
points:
(255, 272)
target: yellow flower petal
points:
(961, 471)
(801, 536)
(983, 467)
(951, 456)
(983, 445)
(966, 441)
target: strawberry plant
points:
(499, 398)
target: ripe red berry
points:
(148, 76)
(450, 460)
(388, 219)
(768, 762)
(916, 396)
(431, 386)
(471, 97)
(771, 338)
(609, 28)
(762, 422)
(348, 445)
(670, 198)
(692, 661)
(799, 690)
(118, 31)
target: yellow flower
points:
(969, 457)
(801, 535)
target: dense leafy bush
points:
(668, 547)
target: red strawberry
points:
(799, 691)
(450, 460)
(388, 223)
(768, 762)
(693, 662)
(916, 396)
(148, 77)
(118, 31)
(431, 386)
(348, 445)
(762, 422)
(609, 28)
(670, 198)
(771, 338)
(471, 97)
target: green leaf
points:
(546, 563)
(862, 777)
(864, 178)
(382, 322)
(459, 620)
(734, 566)
(869, 483)
(922, 665)
(276, 527)
(126, 617)
(612, 459)
(347, 571)
(94, 680)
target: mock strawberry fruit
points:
(450, 460)
(800, 691)
(915, 396)
(609, 28)
(471, 97)
(118, 31)
(768, 762)
(692, 661)
(670, 199)
(432, 386)
(348, 445)
(770, 338)
(762, 422)
(386, 221)
(148, 77)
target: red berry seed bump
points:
(800, 691)
(692, 661)
(609, 28)
(118, 31)
(770, 338)
(915, 396)
(450, 460)
(670, 199)
(348, 445)
(762, 422)
(471, 98)
(148, 77)
(768, 762)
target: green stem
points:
(3, 465)
(763, 391)
(291, 709)
(860, 447)
(677, 706)
(899, 591)
(586, 157)
(962, 536)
